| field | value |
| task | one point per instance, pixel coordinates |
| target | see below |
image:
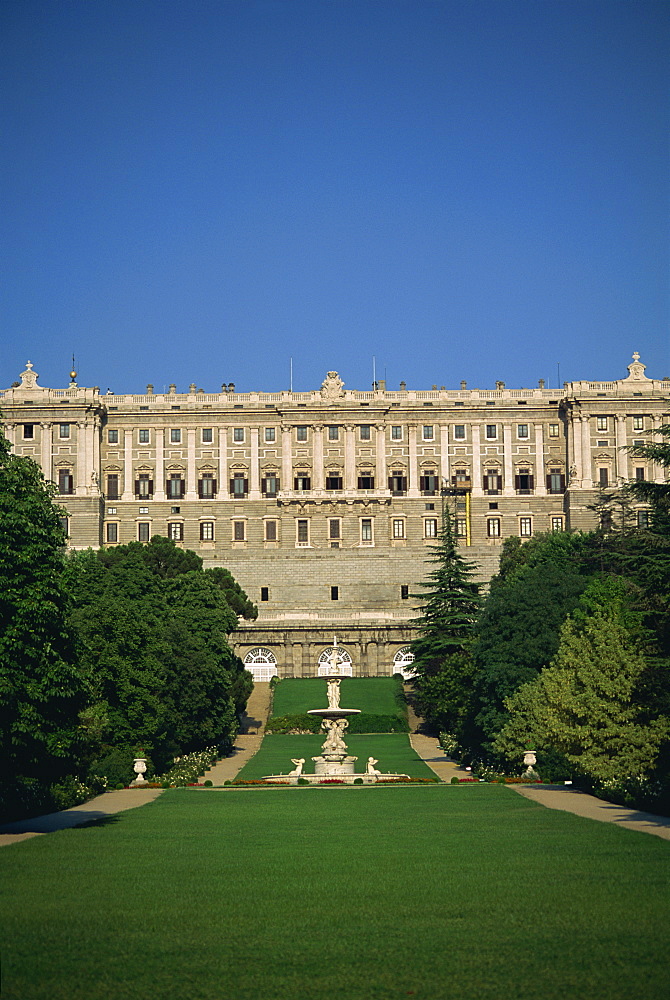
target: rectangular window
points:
(643, 518)
(28, 432)
(207, 531)
(301, 433)
(270, 531)
(396, 433)
(207, 435)
(334, 593)
(525, 527)
(144, 486)
(493, 527)
(238, 531)
(492, 482)
(334, 529)
(638, 423)
(365, 432)
(143, 530)
(112, 532)
(143, 436)
(302, 483)
(639, 473)
(112, 486)
(238, 434)
(428, 432)
(265, 594)
(522, 430)
(207, 486)
(175, 487)
(65, 527)
(333, 432)
(430, 527)
(176, 531)
(397, 483)
(524, 482)
(112, 436)
(557, 524)
(601, 423)
(270, 486)
(333, 482)
(603, 477)
(175, 435)
(302, 531)
(491, 431)
(65, 481)
(459, 431)
(429, 484)
(404, 592)
(461, 527)
(63, 430)
(556, 481)
(239, 485)
(366, 530)
(398, 527)
(366, 482)
(269, 435)
(553, 430)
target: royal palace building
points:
(324, 504)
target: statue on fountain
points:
(334, 692)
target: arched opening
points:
(344, 664)
(402, 662)
(261, 663)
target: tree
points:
(655, 494)
(584, 705)
(41, 691)
(450, 604)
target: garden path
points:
(583, 804)
(248, 740)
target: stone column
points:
(254, 469)
(96, 457)
(349, 457)
(656, 472)
(318, 480)
(587, 474)
(191, 489)
(380, 457)
(444, 453)
(47, 450)
(83, 482)
(476, 461)
(575, 447)
(508, 485)
(286, 463)
(620, 454)
(540, 478)
(412, 465)
(222, 485)
(128, 488)
(159, 475)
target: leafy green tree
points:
(233, 593)
(584, 704)
(519, 628)
(450, 604)
(41, 691)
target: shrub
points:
(358, 781)
(188, 768)
(208, 783)
(454, 780)
(303, 781)
(116, 765)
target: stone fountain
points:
(334, 761)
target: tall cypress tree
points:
(450, 605)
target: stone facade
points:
(324, 504)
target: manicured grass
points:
(393, 752)
(376, 695)
(433, 892)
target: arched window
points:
(343, 662)
(402, 662)
(261, 663)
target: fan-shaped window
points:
(344, 665)
(261, 663)
(402, 662)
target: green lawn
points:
(393, 752)
(375, 695)
(434, 892)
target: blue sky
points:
(201, 191)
